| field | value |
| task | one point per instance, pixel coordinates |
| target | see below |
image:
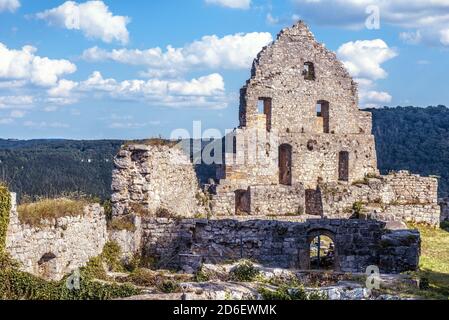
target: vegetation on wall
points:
(5, 208)
(47, 209)
(18, 285)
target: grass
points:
(47, 209)
(434, 262)
(434, 265)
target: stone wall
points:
(280, 243)
(398, 196)
(57, 247)
(151, 178)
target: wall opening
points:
(47, 265)
(314, 203)
(309, 71)
(343, 166)
(322, 252)
(264, 106)
(241, 202)
(285, 164)
(322, 113)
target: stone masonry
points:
(301, 133)
(285, 244)
(150, 179)
(57, 247)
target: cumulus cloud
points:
(211, 52)
(25, 65)
(234, 4)
(93, 18)
(207, 91)
(9, 5)
(426, 18)
(364, 59)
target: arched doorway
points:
(323, 253)
(285, 164)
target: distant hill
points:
(415, 139)
(50, 168)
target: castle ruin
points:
(301, 165)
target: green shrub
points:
(201, 276)
(108, 260)
(17, 285)
(358, 209)
(5, 208)
(169, 286)
(244, 271)
(289, 293)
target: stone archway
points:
(322, 251)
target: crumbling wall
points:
(155, 178)
(399, 196)
(58, 247)
(358, 243)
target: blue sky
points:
(101, 69)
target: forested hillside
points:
(415, 139)
(52, 167)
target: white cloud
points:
(9, 5)
(17, 114)
(211, 52)
(233, 4)
(25, 65)
(93, 18)
(206, 92)
(426, 18)
(14, 102)
(364, 60)
(203, 92)
(44, 124)
(63, 89)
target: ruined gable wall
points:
(277, 74)
(153, 177)
(71, 240)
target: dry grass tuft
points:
(47, 209)
(153, 142)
